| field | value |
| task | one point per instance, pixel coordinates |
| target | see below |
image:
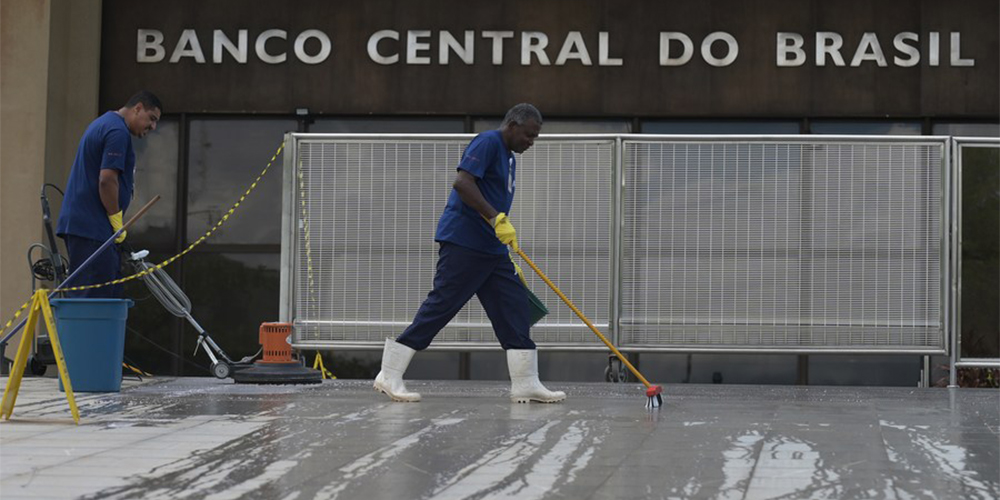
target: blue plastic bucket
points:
(92, 336)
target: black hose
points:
(164, 349)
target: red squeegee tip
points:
(654, 400)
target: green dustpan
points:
(536, 309)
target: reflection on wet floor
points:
(204, 438)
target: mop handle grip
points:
(141, 211)
(584, 318)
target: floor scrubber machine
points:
(174, 300)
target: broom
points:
(653, 392)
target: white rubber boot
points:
(524, 383)
(395, 358)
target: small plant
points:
(972, 377)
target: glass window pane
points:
(865, 128)
(719, 127)
(156, 174)
(216, 283)
(968, 129)
(389, 125)
(980, 252)
(484, 124)
(151, 328)
(225, 158)
(564, 126)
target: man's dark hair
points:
(148, 100)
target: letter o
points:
(706, 49)
(300, 46)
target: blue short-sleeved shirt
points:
(105, 144)
(493, 165)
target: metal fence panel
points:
(982, 330)
(365, 211)
(783, 244)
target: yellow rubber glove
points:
(505, 230)
(116, 224)
(517, 269)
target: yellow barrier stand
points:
(39, 305)
(318, 365)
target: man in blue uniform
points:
(474, 232)
(99, 191)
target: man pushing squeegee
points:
(473, 259)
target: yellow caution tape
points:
(170, 260)
(16, 315)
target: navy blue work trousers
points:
(105, 267)
(462, 273)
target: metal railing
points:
(791, 244)
(960, 145)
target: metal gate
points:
(790, 244)
(724, 243)
(979, 153)
(358, 254)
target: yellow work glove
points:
(116, 224)
(505, 230)
(517, 269)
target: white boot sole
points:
(394, 397)
(537, 400)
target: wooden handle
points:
(585, 320)
(141, 211)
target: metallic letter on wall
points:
(784, 49)
(573, 48)
(498, 37)
(149, 40)
(373, 52)
(300, 46)
(934, 48)
(913, 52)
(603, 59)
(534, 42)
(447, 43)
(413, 45)
(869, 50)
(188, 46)
(832, 48)
(665, 38)
(956, 49)
(238, 51)
(733, 49)
(260, 46)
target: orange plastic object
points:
(277, 341)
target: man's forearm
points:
(468, 192)
(108, 191)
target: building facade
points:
(234, 78)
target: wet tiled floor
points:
(204, 438)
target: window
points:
(561, 126)
(156, 174)
(226, 156)
(389, 125)
(967, 129)
(692, 127)
(980, 252)
(234, 293)
(865, 128)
